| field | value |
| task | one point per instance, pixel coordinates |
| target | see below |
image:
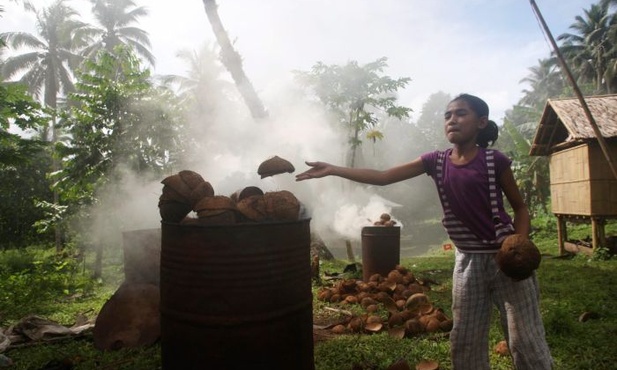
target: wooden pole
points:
(576, 89)
(562, 234)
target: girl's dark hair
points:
(488, 135)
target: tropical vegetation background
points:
(81, 112)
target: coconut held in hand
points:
(518, 257)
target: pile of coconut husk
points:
(187, 191)
(385, 220)
(410, 311)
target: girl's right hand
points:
(317, 170)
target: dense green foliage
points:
(356, 95)
(24, 164)
(106, 110)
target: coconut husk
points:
(418, 302)
(191, 178)
(176, 183)
(274, 166)
(213, 203)
(172, 211)
(129, 319)
(518, 257)
(399, 365)
(427, 365)
(253, 208)
(413, 327)
(216, 217)
(200, 191)
(169, 194)
(245, 193)
(282, 205)
(396, 332)
(502, 349)
(446, 325)
(431, 324)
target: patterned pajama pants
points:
(477, 285)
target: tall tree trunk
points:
(233, 62)
(55, 166)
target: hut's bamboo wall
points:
(582, 182)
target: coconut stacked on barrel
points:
(188, 191)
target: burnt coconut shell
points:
(274, 166)
(518, 257)
(282, 205)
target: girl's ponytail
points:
(488, 135)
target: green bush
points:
(31, 277)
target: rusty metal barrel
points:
(381, 250)
(236, 296)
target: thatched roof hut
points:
(582, 182)
(564, 123)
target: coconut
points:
(518, 257)
(172, 211)
(417, 301)
(427, 365)
(245, 193)
(253, 208)
(282, 205)
(413, 327)
(274, 166)
(216, 202)
(216, 217)
(446, 325)
(191, 178)
(355, 324)
(367, 301)
(176, 183)
(501, 348)
(399, 333)
(200, 191)
(169, 194)
(395, 319)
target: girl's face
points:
(462, 123)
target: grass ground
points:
(569, 287)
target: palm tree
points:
(115, 20)
(233, 62)
(46, 65)
(545, 82)
(203, 86)
(612, 67)
(591, 49)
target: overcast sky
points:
(484, 47)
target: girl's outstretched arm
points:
(364, 175)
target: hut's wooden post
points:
(562, 234)
(597, 232)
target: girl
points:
(471, 181)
